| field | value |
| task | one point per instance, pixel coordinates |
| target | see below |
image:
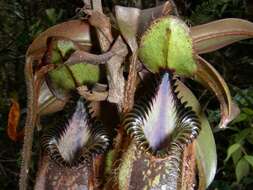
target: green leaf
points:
(205, 145)
(51, 15)
(167, 45)
(240, 118)
(250, 136)
(206, 151)
(248, 111)
(242, 169)
(231, 150)
(249, 159)
(215, 35)
(236, 156)
(244, 97)
(242, 135)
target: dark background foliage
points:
(22, 20)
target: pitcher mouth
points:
(159, 122)
(77, 138)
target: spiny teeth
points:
(159, 122)
(79, 137)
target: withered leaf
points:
(13, 122)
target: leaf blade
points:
(208, 76)
(128, 21)
(232, 149)
(218, 34)
(249, 159)
(206, 157)
(13, 122)
(242, 169)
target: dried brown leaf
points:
(13, 122)
(210, 78)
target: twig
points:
(92, 95)
(80, 56)
(114, 67)
(131, 84)
(33, 82)
(29, 125)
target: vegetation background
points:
(22, 20)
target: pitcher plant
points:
(120, 116)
